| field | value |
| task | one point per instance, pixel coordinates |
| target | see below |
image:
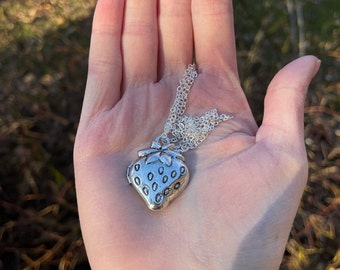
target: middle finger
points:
(176, 36)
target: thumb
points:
(284, 102)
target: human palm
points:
(245, 181)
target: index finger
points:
(213, 25)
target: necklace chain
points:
(186, 132)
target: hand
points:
(246, 181)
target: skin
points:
(246, 181)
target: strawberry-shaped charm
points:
(159, 175)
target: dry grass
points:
(43, 62)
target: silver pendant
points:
(159, 175)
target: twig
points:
(301, 27)
(297, 27)
(293, 25)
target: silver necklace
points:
(160, 174)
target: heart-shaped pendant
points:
(159, 175)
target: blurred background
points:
(43, 63)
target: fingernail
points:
(318, 64)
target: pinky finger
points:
(105, 59)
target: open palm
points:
(246, 181)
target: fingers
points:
(176, 36)
(284, 101)
(214, 34)
(140, 42)
(105, 60)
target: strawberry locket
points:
(160, 174)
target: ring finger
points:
(140, 43)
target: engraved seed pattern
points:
(157, 179)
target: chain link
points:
(184, 131)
